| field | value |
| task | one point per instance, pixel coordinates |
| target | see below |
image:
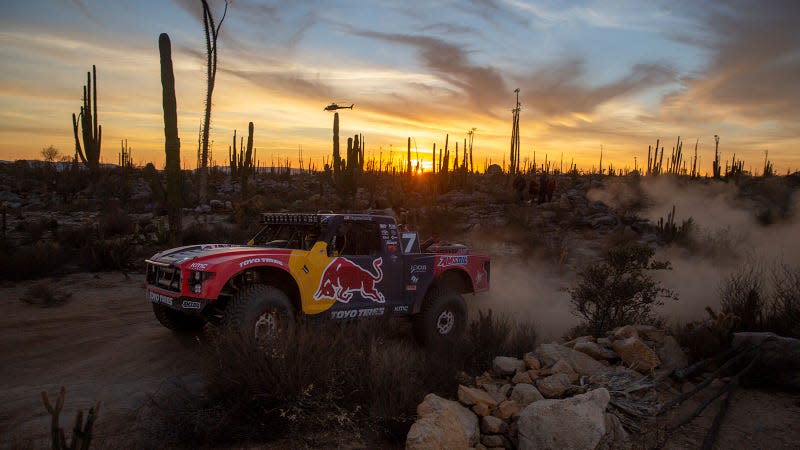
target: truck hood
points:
(179, 255)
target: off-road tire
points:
(256, 303)
(442, 318)
(176, 320)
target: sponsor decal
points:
(251, 261)
(392, 226)
(355, 313)
(401, 308)
(198, 266)
(383, 226)
(188, 304)
(448, 261)
(419, 268)
(155, 297)
(343, 277)
(213, 246)
(414, 279)
(392, 248)
(384, 234)
(480, 276)
(411, 287)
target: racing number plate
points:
(155, 297)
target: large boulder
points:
(671, 355)
(582, 363)
(442, 424)
(636, 354)
(779, 364)
(595, 350)
(505, 365)
(525, 394)
(473, 396)
(554, 386)
(577, 422)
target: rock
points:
(484, 379)
(505, 365)
(534, 374)
(606, 342)
(229, 205)
(472, 396)
(579, 340)
(575, 423)
(779, 364)
(624, 332)
(671, 355)
(525, 394)
(650, 333)
(442, 424)
(553, 386)
(531, 361)
(493, 425)
(481, 409)
(636, 354)
(560, 367)
(495, 441)
(216, 205)
(480, 446)
(506, 409)
(582, 363)
(522, 377)
(616, 437)
(596, 351)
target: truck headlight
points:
(196, 279)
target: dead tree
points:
(211, 32)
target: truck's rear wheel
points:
(442, 319)
(260, 311)
(176, 320)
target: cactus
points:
(716, 166)
(81, 433)
(246, 162)
(91, 132)
(172, 144)
(125, 160)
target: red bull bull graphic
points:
(343, 277)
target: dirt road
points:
(103, 344)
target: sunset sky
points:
(616, 74)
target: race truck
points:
(328, 266)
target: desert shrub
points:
(742, 293)
(114, 221)
(493, 335)
(198, 233)
(619, 290)
(30, 261)
(106, 254)
(44, 295)
(356, 378)
(784, 309)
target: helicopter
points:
(335, 106)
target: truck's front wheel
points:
(442, 319)
(176, 320)
(259, 311)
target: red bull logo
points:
(342, 278)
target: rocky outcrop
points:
(575, 423)
(442, 424)
(636, 354)
(583, 364)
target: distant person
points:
(519, 187)
(551, 189)
(542, 188)
(533, 190)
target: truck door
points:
(364, 276)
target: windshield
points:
(294, 236)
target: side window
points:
(357, 238)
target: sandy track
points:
(103, 344)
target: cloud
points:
(561, 89)
(484, 85)
(753, 66)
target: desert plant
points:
(619, 290)
(44, 295)
(784, 311)
(91, 132)
(172, 144)
(743, 293)
(493, 335)
(81, 432)
(669, 231)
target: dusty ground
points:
(104, 344)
